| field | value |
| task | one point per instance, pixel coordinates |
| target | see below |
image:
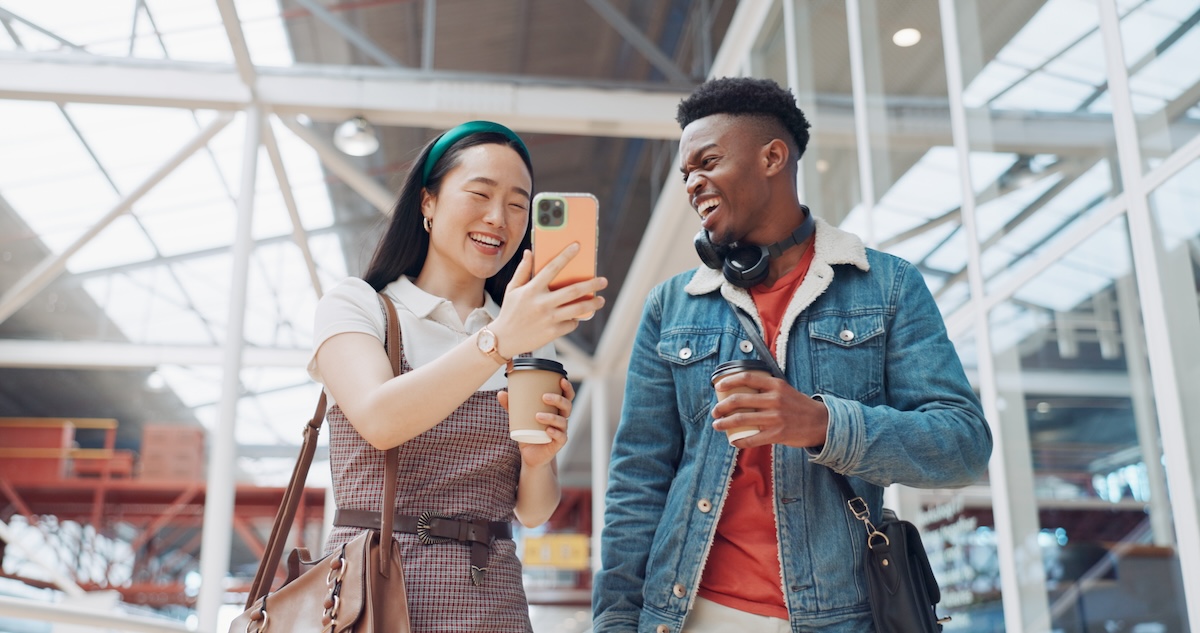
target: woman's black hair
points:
(405, 243)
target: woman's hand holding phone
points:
(534, 314)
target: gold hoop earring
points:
(427, 223)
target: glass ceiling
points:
(162, 272)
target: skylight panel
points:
(1172, 72)
(991, 81)
(121, 242)
(192, 30)
(330, 259)
(1142, 104)
(1141, 31)
(1175, 10)
(919, 247)
(194, 386)
(1061, 288)
(6, 41)
(952, 256)
(60, 212)
(1175, 206)
(149, 308)
(191, 225)
(1055, 26)
(132, 142)
(994, 214)
(206, 279)
(1083, 62)
(81, 22)
(1044, 92)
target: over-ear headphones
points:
(746, 266)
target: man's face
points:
(720, 159)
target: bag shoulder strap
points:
(760, 346)
(286, 515)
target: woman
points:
(456, 263)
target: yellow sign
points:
(560, 551)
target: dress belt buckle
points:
(425, 526)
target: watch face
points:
(487, 340)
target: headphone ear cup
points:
(712, 255)
(746, 266)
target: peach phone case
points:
(580, 223)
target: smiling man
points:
(706, 535)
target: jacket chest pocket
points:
(692, 357)
(847, 355)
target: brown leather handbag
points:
(360, 587)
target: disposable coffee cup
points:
(528, 380)
(729, 368)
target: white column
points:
(862, 132)
(218, 503)
(1022, 580)
(1141, 397)
(1166, 306)
(601, 452)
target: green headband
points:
(455, 134)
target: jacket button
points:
(685, 353)
(846, 335)
(704, 505)
(746, 346)
(662, 628)
(679, 591)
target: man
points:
(703, 536)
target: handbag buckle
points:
(859, 507)
(425, 525)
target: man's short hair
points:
(746, 96)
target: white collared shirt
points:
(429, 324)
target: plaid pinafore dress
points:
(466, 467)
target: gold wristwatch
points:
(487, 343)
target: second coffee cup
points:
(730, 368)
(528, 380)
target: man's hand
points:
(783, 415)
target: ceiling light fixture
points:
(906, 37)
(356, 137)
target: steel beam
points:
(336, 162)
(333, 94)
(64, 614)
(218, 504)
(31, 354)
(289, 200)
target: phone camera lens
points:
(544, 219)
(557, 213)
(544, 205)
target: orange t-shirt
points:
(742, 571)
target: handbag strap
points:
(286, 515)
(856, 503)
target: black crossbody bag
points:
(903, 591)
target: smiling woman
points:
(455, 262)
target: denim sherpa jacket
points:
(864, 335)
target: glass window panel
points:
(830, 163)
(1069, 355)
(1162, 43)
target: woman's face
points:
(480, 213)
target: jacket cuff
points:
(843, 439)
(615, 622)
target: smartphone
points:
(558, 220)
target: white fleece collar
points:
(833, 246)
